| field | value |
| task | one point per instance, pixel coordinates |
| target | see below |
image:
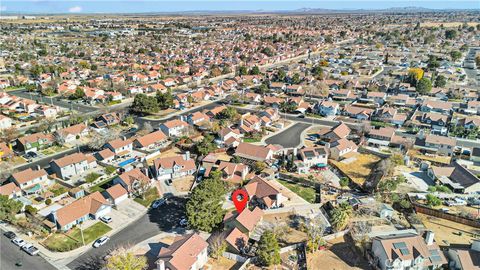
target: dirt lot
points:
(445, 24)
(183, 184)
(339, 256)
(359, 168)
(222, 264)
(446, 230)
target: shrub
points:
(48, 201)
(31, 210)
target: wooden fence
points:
(440, 214)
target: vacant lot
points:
(73, 239)
(184, 184)
(358, 168)
(340, 255)
(448, 232)
(222, 264)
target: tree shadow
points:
(167, 217)
(346, 252)
(91, 263)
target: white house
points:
(5, 122)
(188, 252)
(31, 181)
(120, 147)
(173, 167)
(117, 194)
(74, 164)
(174, 128)
(314, 155)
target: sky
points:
(143, 6)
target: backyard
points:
(184, 184)
(449, 232)
(73, 239)
(307, 193)
(149, 196)
(357, 168)
(101, 186)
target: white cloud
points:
(75, 9)
(3, 8)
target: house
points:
(336, 133)
(197, 118)
(475, 155)
(71, 165)
(357, 112)
(342, 147)
(314, 156)
(174, 128)
(437, 121)
(31, 181)
(10, 190)
(253, 152)
(343, 94)
(377, 97)
(109, 118)
(105, 156)
(456, 177)
(226, 133)
(6, 151)
(442, 107)
(188, 252)
(250, 123)
(231, 172)
(464, 258)
(117, 194)
(407, 251)
(169, 168)
(436, 144)
(381, 137)
(92, 206)
(271, 114)
(245, 221)
(120, 147)
(133, 181)
(151, 141)
(327, 108)
(237, 241)
(35, 142)
(470, 122)
(5, 122)
(263, 194)
(72, 133)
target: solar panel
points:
(399, 245)
(434, 252)
(436, 258)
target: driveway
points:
(419, 180)
(126, 212)
(291, 137)
(155, 221)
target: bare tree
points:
(315, 229)
(217, 244)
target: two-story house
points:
(31, 181)
(71, 165)
(151, 141)
(187, 252)
(436, 144)
(312, 156)
(174, 128)
(169, 168)
(35, 142)
(327, 108)
(120, 147)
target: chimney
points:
(429, 235)
(38, 167)
(295, 151)
(241, 121)
(327, 145)
(160, 265)
(187, 155)
(475, 245)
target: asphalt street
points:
(166, 218)
(11, 254)
(291, 137)
(54, 100)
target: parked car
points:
(19, 242)
(30, 249)
(106, 219)
(101, 241)
(158, 203)
(10, 235)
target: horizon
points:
(157, 6)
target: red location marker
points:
(240, 199)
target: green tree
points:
(259, 166)
(424, 86)
(268, 251)
(433, 200)
(204, 208)
(79, 93)
(455, 55)
(255, 71)
(344, 182)
(450, 34)
(144, 104)
(440, 81)
(206, 145)
(31, 210)
(9, 208)
(165, 100)
(242, 70)
(122, 259)
(229, 113)
(281, 75)
(340, 216)
(129, 120)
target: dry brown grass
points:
(446, 24)
(446, 230)
(183, 184)
(220, 264)
(359, 169)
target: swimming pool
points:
(126, 162)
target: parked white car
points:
(19, 242)
(101, 241)
(30, 249)
(106, 219)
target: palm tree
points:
(341, 215)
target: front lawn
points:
(73, 239)
(101, 186)
(251, 140)
(307, 193)
(149, 196)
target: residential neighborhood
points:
(352, 137)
